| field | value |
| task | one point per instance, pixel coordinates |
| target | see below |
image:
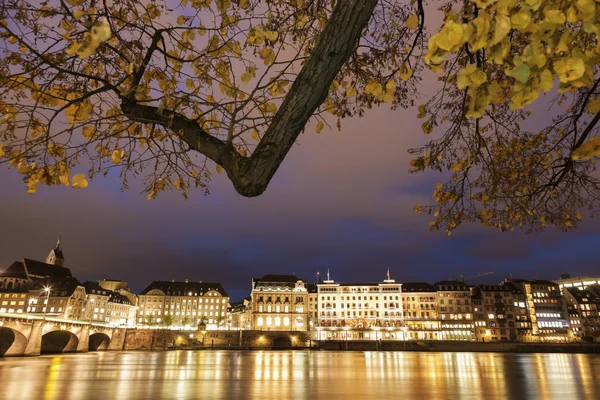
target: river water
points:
(300, 375)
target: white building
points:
(360, 311)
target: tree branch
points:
(251, 175)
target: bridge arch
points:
(59, 341)
(12, 342)
(282, 341)
(99, 341)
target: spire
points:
(56, 256)
(328, 274)
(388, 273)
(328, 278)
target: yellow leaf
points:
(569, 69)
(117, 156)
(450, 36)
(131, 68)
(593, 108)
(501, 29)
(1, 151)
(546, 80)
(267, 55)
(412, 22)
(88, 131)
(181, 20)
(100, 31)
(189, 84)
(79, 181)
(271, 35)
(405, 72)
(255, 135)
(351, 91)
(589, 149)
(319, 127)
(246, 77)
(219, 169)
(520, 20)
(78, 13)
(64, 179)
(390, 85)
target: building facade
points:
(495, 312)
(279, 303)
(546, 309)
(420, 309)
(60, 298)
(455, 311)
(355, 311)
(583, 307)
(185, 303)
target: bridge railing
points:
(50, 318)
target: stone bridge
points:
(29, 335)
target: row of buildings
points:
(513, 310)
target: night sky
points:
(342, 200)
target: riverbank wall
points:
(262, 340)
(453, 346)
(158, 339)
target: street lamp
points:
(47, 290)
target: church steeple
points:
(56, 256)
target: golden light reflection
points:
(301, 375)
(51, 390)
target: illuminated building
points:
(420, 306)
(189, 303)
(355, 311)
(496, 310)
(583, 311)
(107, 306)
(547, 310)
(240, 314)
(455, 311)
(279, 303)
(25, 273)
(65, 298)
(566, 281)
(313, 305)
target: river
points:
(300, 375)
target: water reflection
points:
(301, 375)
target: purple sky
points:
(342, 200)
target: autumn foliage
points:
(178, 89)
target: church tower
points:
(55, 256)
